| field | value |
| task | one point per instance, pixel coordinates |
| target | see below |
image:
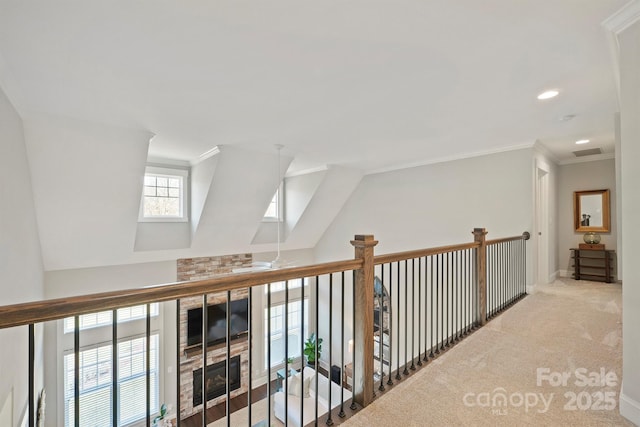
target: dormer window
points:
(164, 195)
(274, 210)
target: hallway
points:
(553, 359)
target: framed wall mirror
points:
(591, 211)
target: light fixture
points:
(548, 94)
(582, 141)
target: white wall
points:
(436, 205)
(430, 206)
(21, 271)
(598, 175)
(629, 41)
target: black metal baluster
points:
(389, 380)
(32, 377)
(455, 297)
(250, 357)
(205, 336)
(381, 330)
(413, 312)
(302, 334)
(285, 390)
(178, 356)
(398, 377)
(440, 305)
(465, 295)
(228, 358)
(315, 355)
(341, 414)
(420, 312)
(426, 310)
(434, 318)
(76, 363)
(148, 364)
(406, 316)
(469, 293)
(114, 368)
(268, 354)
(448, 307)
(329, 421)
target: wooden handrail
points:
(60, 308)
(419, 253)
(54, 309)
(523, 236)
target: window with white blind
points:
(297, 326)
(95, 383)
(95, 376)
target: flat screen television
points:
(217, 322)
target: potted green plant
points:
(160, 417)
(310, 349)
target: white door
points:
(542, 223)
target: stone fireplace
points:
(191, 363)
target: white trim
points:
(629, 408)
(206, 155)
(563, 273)
(162, 162)
(585, 159)
(623, 18)
(451, 158)
(553, 276)
(542, 149)
(321, 168)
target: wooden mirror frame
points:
(606, 217)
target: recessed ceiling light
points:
(548, 94)
(582, 141)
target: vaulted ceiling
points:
(369, 84)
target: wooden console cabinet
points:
(593, 264)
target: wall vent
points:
(589, 152)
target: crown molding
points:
(623, 18)
(544, 150)
(446, 159)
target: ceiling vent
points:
(589, 152)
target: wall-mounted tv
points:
(217, 322)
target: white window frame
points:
(279, 197)
(278, 298)
(183, 176)
(96, 336)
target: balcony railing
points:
(379, 318)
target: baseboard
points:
(629, 408)
(554, 276)
(563, 273)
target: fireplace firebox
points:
(216, 380)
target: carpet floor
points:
(553, 359)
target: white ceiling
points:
(366, 84)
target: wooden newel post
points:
(363, 391)
(481, 274)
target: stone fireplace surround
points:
(191, 269)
